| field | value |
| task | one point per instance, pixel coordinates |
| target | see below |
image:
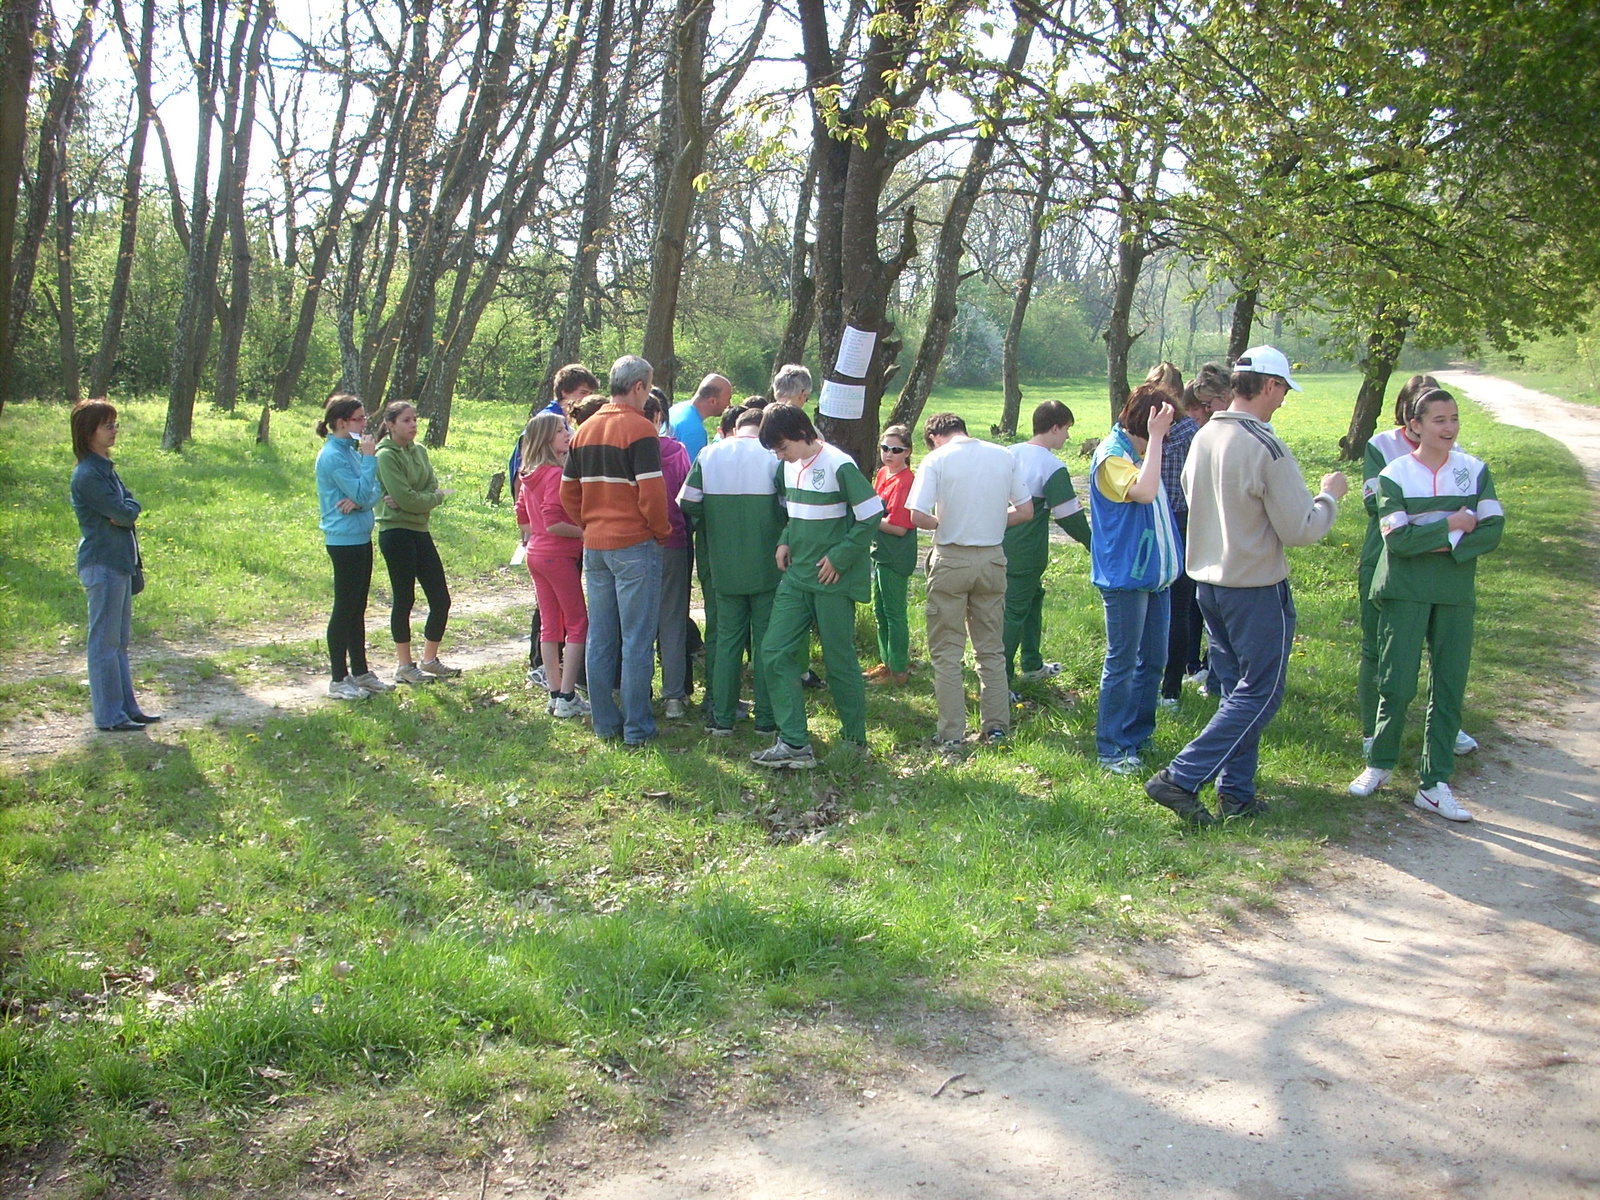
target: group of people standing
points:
(620, 498)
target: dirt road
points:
(1422, 1023)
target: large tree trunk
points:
(468, 163)
(237, 131)
(1119, 337)
(1388, 336)
(194, 306)
(66, 315)
(684, 147)
(1011, 411)
(947, 261)
(802, 279)
(117, 302)
(854, 280)
(18, 20)
(607, 121)
(1244, 320)
(66, 80)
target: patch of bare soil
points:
(188, 691)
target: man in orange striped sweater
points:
(613, 490)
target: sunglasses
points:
(895, 449)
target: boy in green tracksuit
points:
(1027, 545)
(731, 495)
(1438, 512)
(832, 515)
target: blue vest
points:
(1135, 545)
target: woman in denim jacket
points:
(108, 565)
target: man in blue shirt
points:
(688, 418)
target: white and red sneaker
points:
(1441, 800)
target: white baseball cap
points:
(1266, 360)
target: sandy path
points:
(1422, 1023)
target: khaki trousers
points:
(967, 598)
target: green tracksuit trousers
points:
(1024, 622)
(741, 622)
(783, 650)
(1404, 627)
(889, 607)
(1367, 669)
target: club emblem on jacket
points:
(1463, 478)
(817, 475)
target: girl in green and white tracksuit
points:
(1438, 512)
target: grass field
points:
(440, 918)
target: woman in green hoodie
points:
(410, 492)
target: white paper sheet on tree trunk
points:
(855, 352)
(842, 401)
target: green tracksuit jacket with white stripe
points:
(833, 513)
(1422, 559)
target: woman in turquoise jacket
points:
(347, 490)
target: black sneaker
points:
(1160, 788)
(1232, 806)
(812, 680)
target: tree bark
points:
(117, 302)
(66, 314)
(18, 20)
(238, 129)
(1119, 337)
(683, 136)
(195, 302)
(854, 280)
(65, 83)
(1011, 411)
(1384, 343)
(607, 120)
(947, 260)
(802, 280)
(1244, 320)
(468, 161)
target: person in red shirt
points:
(555, 546)
(894, 557)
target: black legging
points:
(347, 627)
(1184, 628)
(412, 559)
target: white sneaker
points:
(369, 682)
(1048, 671)
(346, 689)
(1369, 781)
(676, 709)
(1366, 746)
(1465, 743)
(1440, 799)
(536, 677)
(1168, 704)
(1129, 765)
(568, 709)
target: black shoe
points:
(145, 718)
(1160, 788)
(123, 727)
(812, 680)
(1232, 806)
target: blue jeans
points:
(1252, 633)
(1136, 654)
(624, 608)
(110, 629)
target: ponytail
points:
(391, 414)
(341, 406)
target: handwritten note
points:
(855, 352)
(842, 401)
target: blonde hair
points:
(536, 441)
(1168, 378)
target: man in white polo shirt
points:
(968, 492)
